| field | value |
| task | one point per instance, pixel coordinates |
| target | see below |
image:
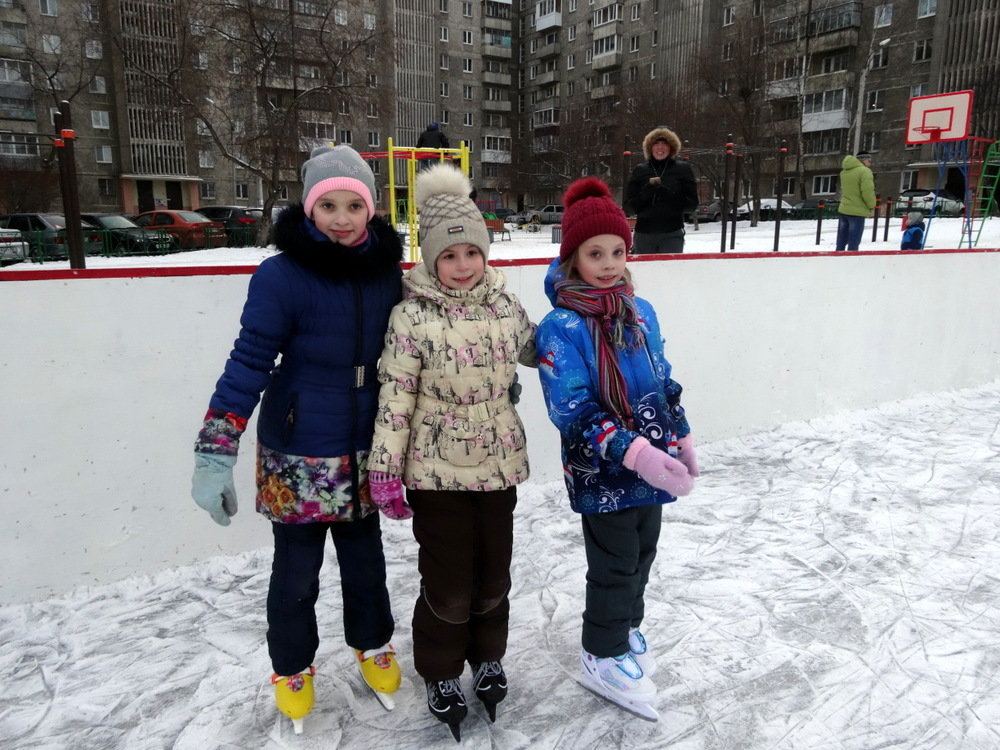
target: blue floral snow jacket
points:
(594, 441)
(324, 309)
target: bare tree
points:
(261, 84)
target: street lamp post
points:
(862, 80)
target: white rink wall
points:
(106, 381)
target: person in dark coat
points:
(659, 192)
(432, 137)
(322, 305)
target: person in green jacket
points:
(857, 200)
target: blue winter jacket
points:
(594, 440)
(324, 309)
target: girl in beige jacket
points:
(447, 430)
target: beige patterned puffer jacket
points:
(445, 421)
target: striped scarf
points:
(612, 321)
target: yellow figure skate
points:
(294, 696)
(380, 671)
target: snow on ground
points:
(794, 236)
(830, 584)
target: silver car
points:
(13, 248)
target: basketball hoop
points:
(933, 135)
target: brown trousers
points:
(462, 612)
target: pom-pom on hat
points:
(448, 216)
(336, 168)
(590, 211)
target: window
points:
(922, 50)
(442, 6)
(368, 21)
(652, 71)
(757, 10)
(99, 119)
(883, 15)
(926, 8)
(344, 107)
(876, 101)
(467, 10)
(51, 44)
(93, 49)
(727, 51)
(374, 140)
(570, 61)
(102, 154)
(466, 37)
(872, 141)
(468, 92)
(444, 61)
(908, 180)
(443, 34)
(13, 34)
(571, 33)
(340, 16)
(633, 44)
(206, 159)
(105, 187)
(242, 190)
(572, 6)
(207, 191)
(466, 64)
(443, 89)
(345, 136)
(373, 80)
(824, 184)
(606, 15)
(605, 45)
(790, 67)
(636, 12)
(728, 15)
(48, 7)
(91, 12)
(656, 37)
(880, 58)
(920, 89)
(98, 85)
(788, 186)
(373, 109)
(823, 101)
(824, 141)
(201, 61)
(833, 63)
(467, 119)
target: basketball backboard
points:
(939, 117)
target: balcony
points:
(492, 156)
(543, 79)
(490, 105)
(547, 50)
(497, 47)
(783, 89)
(548, 21)
(607, 60)
(838, 118)
(497, 79)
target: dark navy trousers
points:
(292, 634)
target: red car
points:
(191, 229)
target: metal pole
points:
(888, 215)
(780, 191)
(727, 163)
(820, 210)
(71, 197)
(736, 200)
(875, 219)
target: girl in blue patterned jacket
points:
(322, 304)
(626, 445)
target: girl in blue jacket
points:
(626, 446)
(322, 304)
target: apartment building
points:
(219, 103)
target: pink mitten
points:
(686, 455)
(658, 468)
(387, 493)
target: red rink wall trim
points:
(14, 273)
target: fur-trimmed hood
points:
(661, 134)
(382, 251)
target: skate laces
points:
(449, 687)
(382, 657)
(488, 669)
(294, 682)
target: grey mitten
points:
(212, 485)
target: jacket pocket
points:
(462, 444)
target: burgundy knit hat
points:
(590, 211)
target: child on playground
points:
(913, 235)
(626, 444)
(322, 304)
(446, 429)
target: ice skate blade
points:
(297, 725)
(386, 699)
(639, 708)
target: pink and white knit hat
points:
(336, 168)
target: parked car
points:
(809, 208)
(122, 236)
(190, 228)
(768, 209)
(707, 212)
(919, 199)
(13, 248)
(240, 222)
(551, 214)
(46, 235)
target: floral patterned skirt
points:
(306, 489)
